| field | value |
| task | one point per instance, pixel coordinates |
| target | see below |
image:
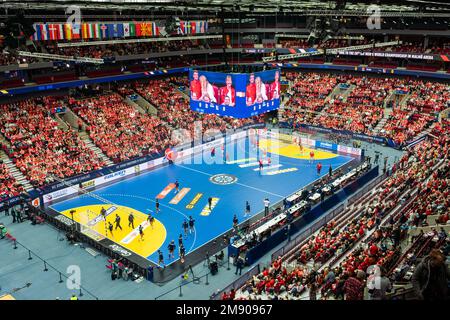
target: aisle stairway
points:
(15, 172)
(85, 137)
(386, 114)
(146, 105)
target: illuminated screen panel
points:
(237, 95)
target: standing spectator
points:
(430, 279)
(354, 287)
(312, 291)
(378, 284)
(239, 265)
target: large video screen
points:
(237, 95)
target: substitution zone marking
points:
(194, 201)
(179, 196)
(271, 173)
(206, 211)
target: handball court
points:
(228, 182)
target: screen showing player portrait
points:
(237, 95)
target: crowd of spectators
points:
(122, 49)
(118, 129)
(9, 187)
(363, 108)
(339, 260)
(308, 93)
(40, 149)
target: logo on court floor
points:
(223, 179)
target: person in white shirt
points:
(261, 94)
(207, 90)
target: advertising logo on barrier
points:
(59, 194)
(120, 250)
(92, 233)
(36, 202)
(349, 150)
(137, 169)
(88, 184)
(67, 221)
(326, 145)
(115, 175)
(308, 142)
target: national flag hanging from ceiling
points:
(99, 30)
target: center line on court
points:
(241, 184)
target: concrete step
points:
(15, 172)
(91, 145)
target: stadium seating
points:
(352, 242)
(39, 148)
(8, 185)
(118, 129)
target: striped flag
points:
(155, 29)
(132, 29)
(76, 31)
(68, 31)
(37, 32)
(181, 29)
(97, 32)
(138, 29)
(188, 27)
(44, 32)
(84, 30)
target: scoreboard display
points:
(238, 95)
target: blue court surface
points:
(140, 192)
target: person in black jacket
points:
(431, 277)
(239, 265)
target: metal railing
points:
(195, 280)
(47, 266)
(238, 283)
